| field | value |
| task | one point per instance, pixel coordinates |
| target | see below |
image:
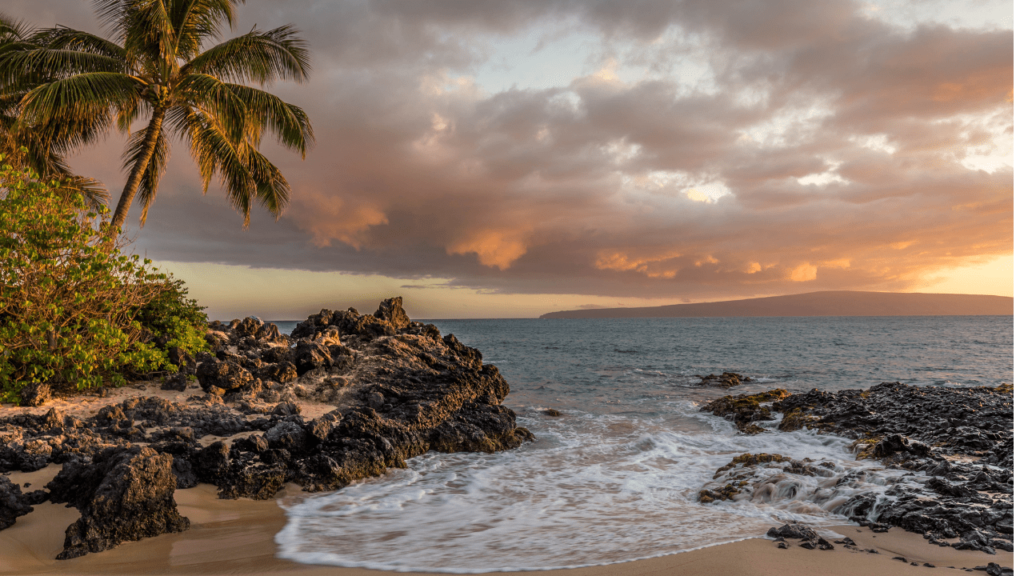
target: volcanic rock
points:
(35, 394)
(379, 389)
(124, 495)
(12, 503)
(723, 380)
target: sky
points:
(506, 159)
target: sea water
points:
(616, 477)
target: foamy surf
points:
(592, 490)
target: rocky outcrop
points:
(723, 380)
(746, 409)
(961, 438)
(805, 534)
(387, 388)
(12, 503)
(123, 495)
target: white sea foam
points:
(592, 490)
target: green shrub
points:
(71, 301)
(173, 319)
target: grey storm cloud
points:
(601, 186)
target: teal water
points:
(616, 477)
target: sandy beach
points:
(237, 537)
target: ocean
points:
(616, 477)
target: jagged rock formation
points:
(388, 389)
(12, 503)
(123, 495)
(962, 438)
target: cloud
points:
(329, 218)
(804, 273)
(497, 248)
(700, 149)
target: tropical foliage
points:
(28, 147)
(71, 86)
(75, 312)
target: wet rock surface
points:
(746, 409)
(385, 389)
(807, 537)
(723, 380)
(954, 443)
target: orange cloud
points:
(496, 248)
(803, 273)
(652, 267)
(329, 218)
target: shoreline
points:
(237, 537)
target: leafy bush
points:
(174, 319)
(71, 301)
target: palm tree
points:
(28, 148)
(76, 85)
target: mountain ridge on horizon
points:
(821, 303)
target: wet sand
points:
(237, 537)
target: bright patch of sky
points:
(276, 294)
(984, 14)
(823, 178)
(788, 127)
(554, 54)
(666, 182)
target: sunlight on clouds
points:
(753, 268)
(878, 142)
(804, 273)
(709, 259)
(697, 196)
(652, 267)
(821, 179)
(608, 72)
(993, 277)
(329, 218)
(621, 151)
(496, 248)
(843, 263)
(441, 82)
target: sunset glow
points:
(499, 159)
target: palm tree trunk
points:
(138, 171)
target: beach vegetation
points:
(41, 150)
(75, 311)
(162, 75)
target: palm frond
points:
(258, 56)
(80, 96)
(13, 30)
(92, 190)
(196, 20)
(216, 98)
(143, 27)
(272, 190)
(45, 64)
(266, 111)
(64, 38)
(217, 155)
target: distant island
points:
(828, 303)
